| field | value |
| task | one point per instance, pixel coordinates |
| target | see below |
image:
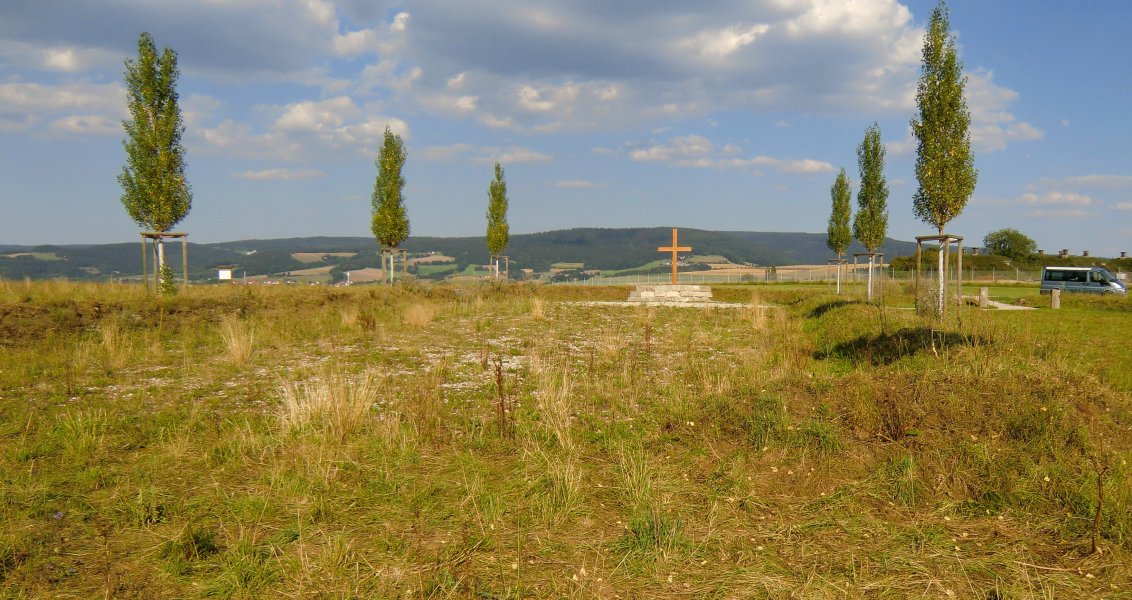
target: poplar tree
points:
(871, 223)
(498, 232)
(390, 221)
(839, 235)
(945, 166)
(155, 192)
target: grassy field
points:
(511, 441)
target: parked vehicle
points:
(1087, 280)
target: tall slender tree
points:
(498, 232)
(871, 223)
(390, 221)
(839, 235)
(945, 165)
(155, 193)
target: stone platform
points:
(670, 293)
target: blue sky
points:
(716, 114)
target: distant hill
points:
(596, 248)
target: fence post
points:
(1055, 299)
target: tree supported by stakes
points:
(156, 237)
(945, 165)
(389, 258)
(155, 192)
(493, 266)
(498, 231)
(871, 223)
(945, 241)
(839, 234)
(390, 222)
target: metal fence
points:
(816, 274)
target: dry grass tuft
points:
(331, 402)
(239, 339)
(419, 314)
(349, 315)
(554, 406)
(116, 344)
(757, 313)
(538, 308)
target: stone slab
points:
(667, 292)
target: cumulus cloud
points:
(303, 129)
(550, 66)
(696, 151)
(992, 125)
(67, 110)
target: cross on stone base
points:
(675, 248)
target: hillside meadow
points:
(515, 441)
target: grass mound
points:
(505, 441)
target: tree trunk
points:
(869, 284)
(941, 297)
(838, 274)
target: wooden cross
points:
(674, 249)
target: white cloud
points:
(802, 166)
(85, 125)
(514, 155)
(304, 129)
(37, 98)
(281, 174)
(63, 110)
(696, 151)
(317, 116)
(679, 149)
(446, 104)
(992, 126)
(1058, 214)
(1101, 181)
(720, 43)
(400, 22)
(1056, 197)
(485, 155)
(579, 184)
(1123, 206)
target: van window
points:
(1070, 276)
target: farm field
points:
(509, 441)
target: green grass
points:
(426, 269)
(314, 442)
